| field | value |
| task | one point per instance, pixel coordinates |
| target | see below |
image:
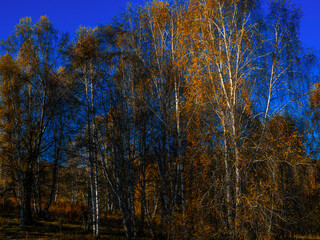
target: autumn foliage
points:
(186, 120)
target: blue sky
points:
(68, 15)
(310, 22)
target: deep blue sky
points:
(68, 15)
(310, 22)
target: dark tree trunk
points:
(28, 182)
(53, 187)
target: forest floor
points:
(10, 229)
(308, 237)
(112, 229)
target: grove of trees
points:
(189, 119)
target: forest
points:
(192, 119)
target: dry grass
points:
(66, 223)
(10, 229)
(309, 237)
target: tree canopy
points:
(188, 120)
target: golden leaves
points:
(159, 12)
(24, 27)
(86, 48)
(314, 99)
(8, 68)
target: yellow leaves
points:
(43, 22)
(28, 59)
(9, 72)
(24, 27)
(43, 25)
(210, 8)
(10, 99)
(61, 70)
(64, 78)
(314, 99)
(25, 21)
(159, 13)
(44, 18)
(8, 68)
(86, 48)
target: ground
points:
(10, 229)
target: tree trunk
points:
(53, 187)
(97, 232)
(28, 183)
(20, 191)
(227, 178)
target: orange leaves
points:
(8, 68)
(314, 99)
(69, 211)
(159, 13)
(28, 59)
(43, 25)
(10, 111)
(24, 27)
(11, 84)
(86, 48)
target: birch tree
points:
(35, 48)
(84, 56)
